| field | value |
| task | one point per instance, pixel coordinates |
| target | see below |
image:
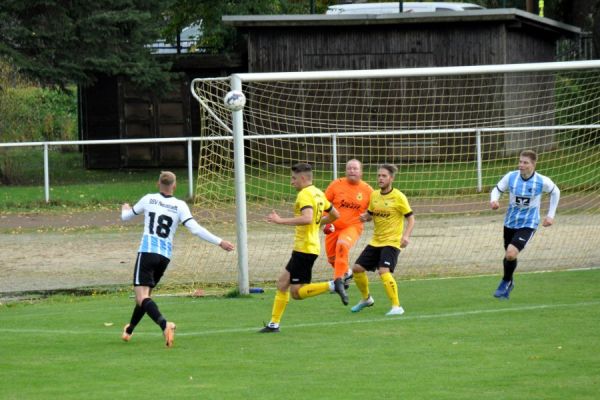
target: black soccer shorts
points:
(373, 257)
(149, 268)
(300, 267)
(517, 237)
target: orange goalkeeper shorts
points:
(347, 236)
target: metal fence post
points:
(479, 163)
(46, 174)
(190, 168)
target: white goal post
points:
(453, 131)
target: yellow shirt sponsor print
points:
(388, 211)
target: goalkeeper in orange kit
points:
(350, 196)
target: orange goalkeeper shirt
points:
(350, 200)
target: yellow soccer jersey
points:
(307, 236)
(388, 211)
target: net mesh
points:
(452, 137)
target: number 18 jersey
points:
(162, 215)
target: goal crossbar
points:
(415, 72)
(402, 72)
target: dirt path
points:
(92, 248)
(82, 219)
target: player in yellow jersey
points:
(350, 196)
(309, 209)
(388, 208)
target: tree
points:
(217, 37)
(584, 14)
(61, 42)
(596, 29)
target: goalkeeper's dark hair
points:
(391, 168)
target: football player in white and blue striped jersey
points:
(162, 214)
(525, 187)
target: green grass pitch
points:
(455, 341)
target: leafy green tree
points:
(584, 14)
(217, 37)
(60, 42)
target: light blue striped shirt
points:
(525, 198)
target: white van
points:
(394, 8)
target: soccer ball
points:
(234, 100)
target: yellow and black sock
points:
(362, 283)
(391, 288)
(313, 289)
(279, 304)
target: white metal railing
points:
(333, 135)
(45, 145)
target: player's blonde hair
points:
(167, 178)
(354, 160)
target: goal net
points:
(453, 132)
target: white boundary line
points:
(498, 274)
(401, 318)
(418, 279)
(318, 324)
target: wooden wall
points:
(116, 109)
(389, 46)
(317, 45)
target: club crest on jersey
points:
(359, 196)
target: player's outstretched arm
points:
(273, 217)
(227, 246)
(304, 219)
(198, 230)
(126, 212)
